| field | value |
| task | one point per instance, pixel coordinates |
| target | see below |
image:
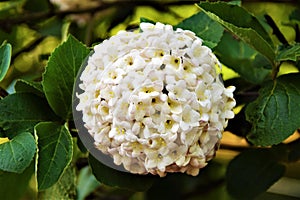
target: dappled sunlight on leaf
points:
(3, 140)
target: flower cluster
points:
(153, 100)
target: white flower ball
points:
(153, 100)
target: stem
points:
(238, 148)
(281, 38)
(248, 93)
(89, 31)
(297, 30)
(275, 70)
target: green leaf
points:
(237, 16)
(87, 183)
(52, 26)
(29, 87)
(247, 62)
(235, 2)
(65, 188)
(5, 55)
(274, 114)
(291, 53)
(14, 185)
(207, 185)
(114, 178)
(16, 154)
(242, 24)
(60, 74)
(146, 20)
(253, 172)
(204, 27)
(54, 152)
(295, 15)
(21, 111)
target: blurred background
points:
(35, 28)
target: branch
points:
(29, 17)
(297, 30)
(276, 30)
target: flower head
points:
(153, 100)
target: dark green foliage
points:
(253, 172)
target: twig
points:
(297, 30)
(276, 30)
(238, 148)
(27, 18)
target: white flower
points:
(190, 118)
(158, 160)
(153, 100)
(178, 91)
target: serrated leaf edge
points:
(37, 155)
(270, 56)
